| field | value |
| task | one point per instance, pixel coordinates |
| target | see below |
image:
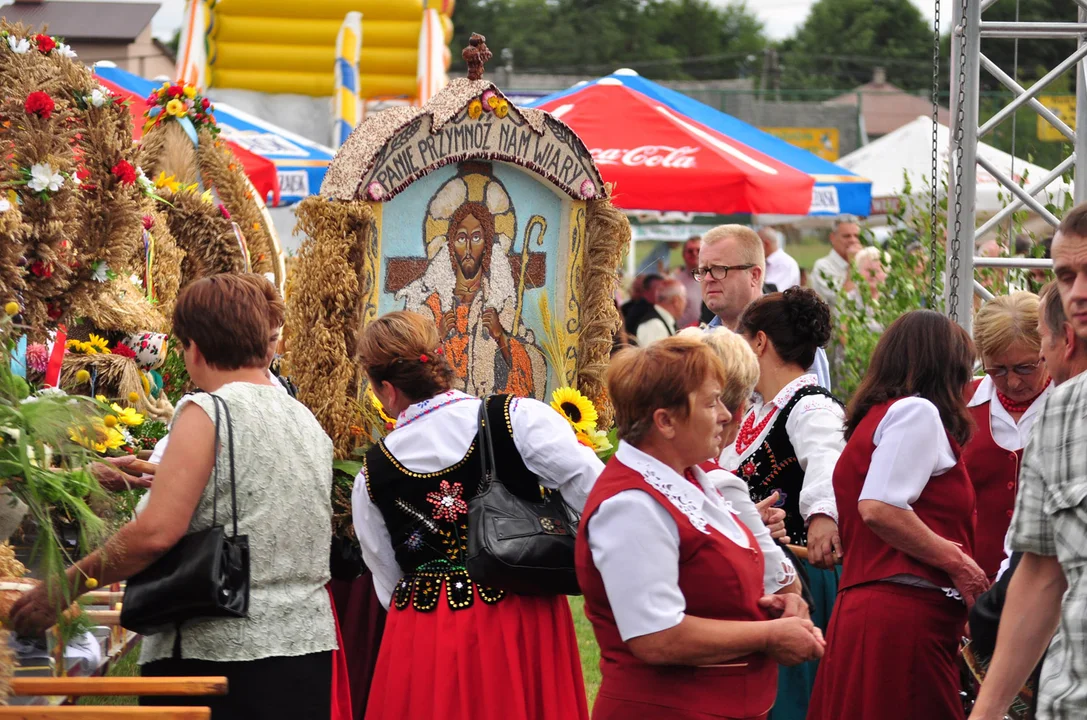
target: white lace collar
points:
(680, 492)
(786, 394)
(425, 407)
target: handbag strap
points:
(486, 447)
(215, 474)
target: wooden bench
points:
(77, 687)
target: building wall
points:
(141, 57)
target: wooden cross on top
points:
(476, 55)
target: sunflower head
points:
(98, 343)
(575, 407)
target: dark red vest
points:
(719, 579)
(995, 474)
(946, 506)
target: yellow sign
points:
(1064, 107)
(819, 141)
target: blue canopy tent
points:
(300, 164)
(837, 191)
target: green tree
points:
(663, 39)
(841, 41)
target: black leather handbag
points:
(523, 547)
(204, 576)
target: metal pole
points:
(1018, 90)
(1011, 186)
(1032, 30)
(966, 42)
(1080, 186)
(1034, 89)
(1035, 189)
(1017, 263)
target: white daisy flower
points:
(20, 46)
(44, 177)
(101, 271)
(66, 50)
(5, 205)
(98, 97)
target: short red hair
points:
(660, 376)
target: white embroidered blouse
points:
(437, 433)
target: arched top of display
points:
(469, 119)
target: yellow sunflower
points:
(98, 438)
(176, 108)
(128, 416)
(575, 407)
(98, 344)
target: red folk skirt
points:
(891, 655)
(514, 660)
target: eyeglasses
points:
(717, 272)
(1021, 370)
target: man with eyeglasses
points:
(731, 270)
(1049, 528)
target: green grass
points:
(587, 647)
(125, 667)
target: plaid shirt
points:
(1051, 519)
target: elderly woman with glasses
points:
(1004, 404)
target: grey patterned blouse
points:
(283, 466)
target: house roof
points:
(102, 21)
(886, 107)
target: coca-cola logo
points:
(647, 156)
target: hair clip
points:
(423, 358)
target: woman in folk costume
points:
(452, 648)
(906, 515)
(1004, 405)
(788, 444)
(686, 628)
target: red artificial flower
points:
(439, 351)
(175, 91)
(45, 43)
(152, 99)
(205, 103)
(41, 269)
(39, 103)
(53, 311)
(224, 211)
(423, 358)
(124, 172)
(82, 173)
(123, 350)
(148, 222)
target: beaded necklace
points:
(1019, 407)
(749, 432)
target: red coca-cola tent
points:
(659, 159)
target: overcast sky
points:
(779, 16)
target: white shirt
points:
(653, 329)
(782, 271)
(635, 543)
(911, 448)
(815, 428)
(828, 275)
(435, 434)
(1007, 433)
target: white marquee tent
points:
(908, 152)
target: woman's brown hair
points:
(403, 349)
(796, 321)
(660, 376)
(922, 353)
(227, 317)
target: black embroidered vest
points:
(774, 466)
(427, 514)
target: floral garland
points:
(180, 101)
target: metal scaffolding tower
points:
(967, 60)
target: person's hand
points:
(824, 543)
(773, 518)
(493, 323)
(968, 578)
(793, 641)
(785, 605)
(447, 324)
(112, 478)
(34, 611)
